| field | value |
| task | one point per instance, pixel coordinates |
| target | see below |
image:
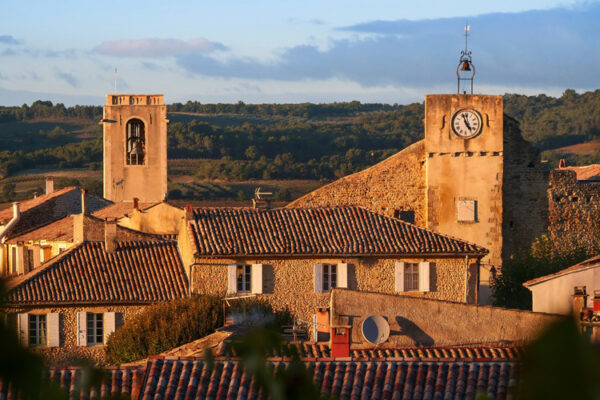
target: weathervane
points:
(465, 70)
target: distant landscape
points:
(222, 152)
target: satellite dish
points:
(375, 329)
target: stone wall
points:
(69, 352)
(427, 322)
(525, 212)
(574, 212)
(289, 285)
(395, 184)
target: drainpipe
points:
(466, 278)
(16, 217)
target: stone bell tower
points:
(135, 147)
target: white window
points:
(95, 328)
(243, 278)
(37, 330)
(412, 277)
(329, 276)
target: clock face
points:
(467, 123)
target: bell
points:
(137, 149)
(466, 66)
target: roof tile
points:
(314, 231)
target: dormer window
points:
(136, 142)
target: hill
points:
(221, 151)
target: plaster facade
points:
(124, 181)
(162, 219)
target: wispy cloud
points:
(556, 47)
(67, 77)
(7, 39)
(157, 47)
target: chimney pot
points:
(16, 210)
(136, 203)
(84, 203)
(189, 211)
(110, 235)
(49, 186)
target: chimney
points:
(49, 185)
(189, 212)
(579, 301)
(136, 203)
(84, 202)
(110, 235)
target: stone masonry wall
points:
(574, 212)
(525, 211)
(397, 183)
(69, 352)
(288, 283)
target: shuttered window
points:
(411, 277)
(329, 277)
(243, 276)
(37, 330)
(95, 328)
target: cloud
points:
(7, 39)
(67, 77)
(543, 48)
(157, 47)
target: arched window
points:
(136, 142)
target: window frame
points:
(133, 136)
(94, 328)
(243, 278)
(37, 330)
(411, 277)
(329, 277)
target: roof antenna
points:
(116, 80)
(465, 70)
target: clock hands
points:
(467, 122)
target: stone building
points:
(293, 257)
(135, 147)
(67, 308)
(474, 177)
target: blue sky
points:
(292, 51)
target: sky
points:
(274, 51)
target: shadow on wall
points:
(411, 330)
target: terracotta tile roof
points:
(7, 213)
(136, 272)
(62, 230)
(120, 209)
(351, 231)
(124, 382)
(589, 263)
(176, 378)
(311, 351)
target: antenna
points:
(116, 80)
(465, 70)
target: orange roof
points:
(56, 231)
(7, 214)
(589, 263)
(586, 172)
(120, 209)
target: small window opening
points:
(329, 277)
(411, 277)
(244, 273)
(136, 142)
(95, 328)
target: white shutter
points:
(315, 328)
(232, 279)
(424, 268)
(399, 277)
(52, 325)
(342, 275)
(257, 278)
(318, 278)
(109, 325)
(81, 329)
(23, 323)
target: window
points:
(13, 260)
(28, 260)
(95, 328)
(136, 142)
(244, 278)
(329, 277)
(411, 277)
(405, 215)
(37, 330)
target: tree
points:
(8, 191)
